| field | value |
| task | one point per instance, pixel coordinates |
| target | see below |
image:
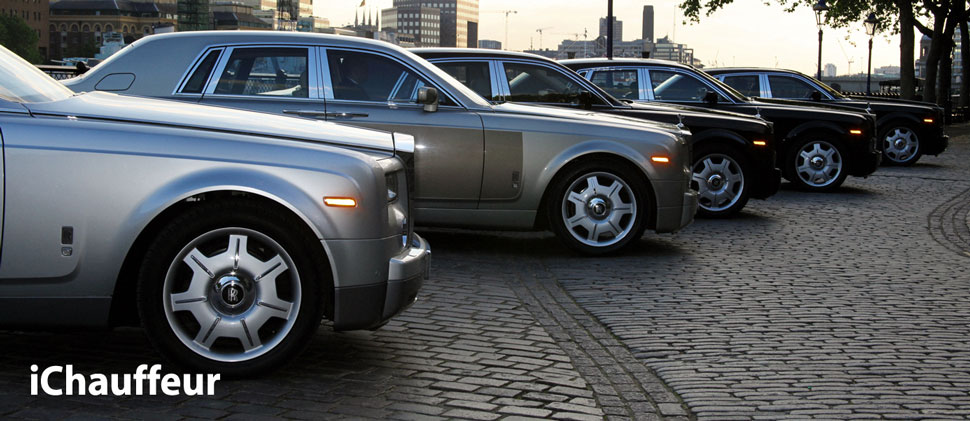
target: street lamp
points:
(870, 23)
(819, 9)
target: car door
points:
(370, 89)
(277, 79)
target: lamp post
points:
(870, 23)
(819, 9)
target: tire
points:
(900, 144)
(606, 203)
(204, 291)
(816, 164)
(720, 176)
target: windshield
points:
(21, 82)
(826, 88)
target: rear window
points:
(196, 83)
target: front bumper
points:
(937, 145)
(673, 218)
(369, 306)
(864, 157)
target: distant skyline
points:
(745, 33)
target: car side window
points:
(623, 84)
(746, 84)
(265, 71)
(473, 74)
(530, 83)
(196, 82)
(360, 76)
(790, 88)
(674, 86)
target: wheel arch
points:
(542, 221)
(123, 310)
(712, 135)
(897, 117)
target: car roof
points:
(749, 69)
(435, 52)
(602, 61)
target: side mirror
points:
(586, 99)
(710, 98)
(429, 98)
(816, 96)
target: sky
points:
(745, 33)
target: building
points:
(423, 24)
(193, 15)
(36, 13)
(76, 26)
(492, 44)
(617, 29)
(829, 70)
(234, 15)
(458, 20)
(312, 24)
(665, 49)
(887, 70)
(647, 33)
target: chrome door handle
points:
(345, 115)
(311, 113)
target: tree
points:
(19, 38)
(897, 16)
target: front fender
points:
(815, 126)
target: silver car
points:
(597, 181)
(227, 233)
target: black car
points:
(819, 145)
(733, 154)
(906, 129)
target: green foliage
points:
(19, 38)
(841, 13)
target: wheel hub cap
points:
(900, 144)
(598, 207)
(232, 293)
(817, 162)
(715, 181)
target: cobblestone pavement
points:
(847, 305)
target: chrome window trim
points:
(312, 91)
(428, 80)
(191, 70)
(326, 84)
(581, 81)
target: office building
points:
(421, 23)
(488, 43)
(829, 70)
(647, 34)
(77, 26)
(617, 29)
(458, 20)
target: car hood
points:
(892, 104)
(893, 101)
(574, 114)
(113, 107)
(802, 105)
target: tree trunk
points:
(933, 59)
(946, 76)
(907, 73)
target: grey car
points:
(597, 181)
(227, 233)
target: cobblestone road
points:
(847, 305)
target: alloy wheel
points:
(900, 145)
(818, 164)
(599, 209)
(719, 180)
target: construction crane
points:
(540, 35)
(507, 13)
